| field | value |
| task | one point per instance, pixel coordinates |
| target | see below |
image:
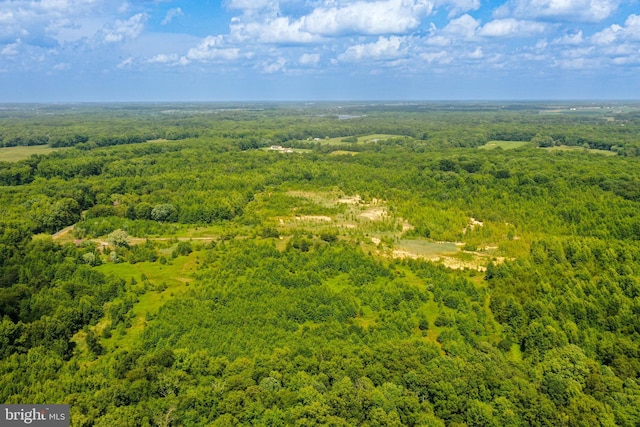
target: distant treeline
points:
(258, 128)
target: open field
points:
(156, 284)
(366, 139)
(593, 110)
(351, 218)
(580, 149)
(505, 145)
(343, 153)
(15, 154)
(348, 217)
(286, 150)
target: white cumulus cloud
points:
(274, 66)
(632, 25)
(7, 17)
(63, 66)
(163, 58)
(271, 30)
(615, 32)
(510, 27)
(457, 7)
(10, 49)
(213, 48)
(372, 18)
(608, 35)
(572, 10)
(627, 60)
(476, 54)
(439, 57)
(264, 22)
(63, 6)
(464, 27)
(128, 29)
(250, 5)
(384, 48)
(41, 19)
(461, 29)
(309, 59)
(570, 39)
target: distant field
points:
(343, 153)
(295, 150)
(361, 139)
(577, 148)
(505, 145)
(427, 248)
(593, 110)
(15, 154)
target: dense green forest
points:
(323, 264)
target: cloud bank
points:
(321, 37)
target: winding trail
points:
(62, 232)
(132, 240)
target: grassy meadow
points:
(15, 154)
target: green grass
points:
(176, 275)
(515, 354)
(367, 317)
(427, 248)
(505, 145)
(343, 153)
(581, 149)
(432, 311)
(15, 154)
(602, 110)
(430, 308)
(366, 139)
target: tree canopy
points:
(172, 269)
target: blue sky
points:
(247, 50)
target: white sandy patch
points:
(354, 200)
(449, 262)
(456, 264)
(374, 214)
(405, 254)
(348, 226)
(474, 222)
(406, 226)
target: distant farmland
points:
(15, 154)
(505, 145)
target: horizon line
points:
(336, 101)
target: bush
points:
(118, 238)
(270, 232)
(329, 237)
(183, 249)
(164, 212)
